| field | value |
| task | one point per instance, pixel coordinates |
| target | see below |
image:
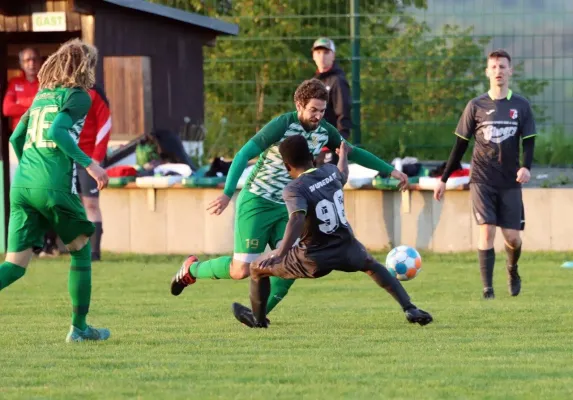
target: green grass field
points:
(337, 337)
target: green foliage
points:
(414, 82)
(209, 7)
(529, 88)
(558, 181)
(554, 147)
(425, 83)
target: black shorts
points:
(499, 207)
(299, 263)
(87, 186)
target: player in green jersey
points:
(261, 215)
(43, 193)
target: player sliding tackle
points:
(315, 203)
(43, 194)
(261, 216)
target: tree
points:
(414, 84)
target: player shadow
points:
(428, 220)
(388, 208)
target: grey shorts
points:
(496, 206)
(300, 263)
(87, 186)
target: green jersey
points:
(46, 140)
(269, 176)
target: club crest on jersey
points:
(316, 142)
(513, 113)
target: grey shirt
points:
(318, 193)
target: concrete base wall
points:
(175, 220)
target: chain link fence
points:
(420, 62)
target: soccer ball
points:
(404, 263)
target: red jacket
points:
(97, 127)
(19, 98)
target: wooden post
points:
(88, 31)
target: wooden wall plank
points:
(11, 24)
(24, 23)
(176, 52)
(73, 22)
(87, 28)
(127, 83)
(60, 5)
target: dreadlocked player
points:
(43, 194)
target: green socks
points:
(80, 285)
(279, 289)
(10, 273)
(217, 268)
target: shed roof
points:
(178, 15)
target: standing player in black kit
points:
(498, 120)
(315, 203)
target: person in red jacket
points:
(93, 141)
(22, 89)
(20, 93)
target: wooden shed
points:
(151, 58)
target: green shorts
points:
(34, 211)
(258, 222)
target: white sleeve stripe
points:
(104, 131)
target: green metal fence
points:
(419, 62)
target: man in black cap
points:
(339, 99)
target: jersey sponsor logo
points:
(322, 183)
(513, 113)
(19, 88)
(498, 135)
(496, 132)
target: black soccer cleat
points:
(513, 281)
(488, 293)
(183, 277)
(261, 325)
(245, 316)
(417, 316)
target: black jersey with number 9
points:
(318, 193)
